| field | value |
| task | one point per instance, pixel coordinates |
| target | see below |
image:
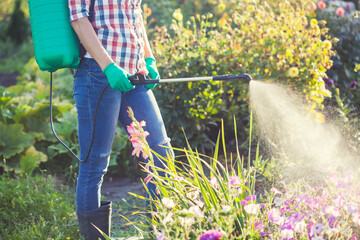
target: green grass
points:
(34, 208)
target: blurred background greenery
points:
(288, 42)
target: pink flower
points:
(214, 183)
(244, 202)
(274, 215)
(333, 211)
(148, 178)
(313, 6)
(276, 191)
(132, 130)
(322, 5)
(234, 180)
(356, 219)
(251, 197)
(212, 234)
(339, 200)
(340, 11)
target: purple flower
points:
(244, 202)
(235, 180)
(353, 85)
(212, 234)
(251, 197)
(262, 234)
(329, 83)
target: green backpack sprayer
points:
(56, 46)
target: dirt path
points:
(116, 189)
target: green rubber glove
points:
(118, 78)
(153, 71)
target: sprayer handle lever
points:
(140, 79)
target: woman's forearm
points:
(88, 38)
(147, 48)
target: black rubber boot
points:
(100, 217)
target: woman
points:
(117, 47)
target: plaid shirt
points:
(118, 25)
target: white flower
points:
(356, 219)
(318, 238)
(167, 218)
(317, 228)
(300, 227)
(168, 202)
(252, 208)
(278, 201)
(196, 211)
(287, 234)
(351, 207)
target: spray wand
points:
(140, 79)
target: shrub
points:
(26, 140)
(31, 208)
(271, 40)
(343, 75)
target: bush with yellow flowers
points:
(271, 40)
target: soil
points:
(117, 189)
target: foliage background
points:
(284, 42)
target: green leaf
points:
(31, 159)
(13, 139)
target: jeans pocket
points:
(97, 78)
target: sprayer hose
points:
(94, 124)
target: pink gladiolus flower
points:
(132, 130)
(322, 5)
(340, 11)
(147, 179)
(234, 180)
(212, 234)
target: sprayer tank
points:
(55, 43)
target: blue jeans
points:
(89, 82)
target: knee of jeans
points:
(96, 165)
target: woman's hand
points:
(118, 78)
(153, 71)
